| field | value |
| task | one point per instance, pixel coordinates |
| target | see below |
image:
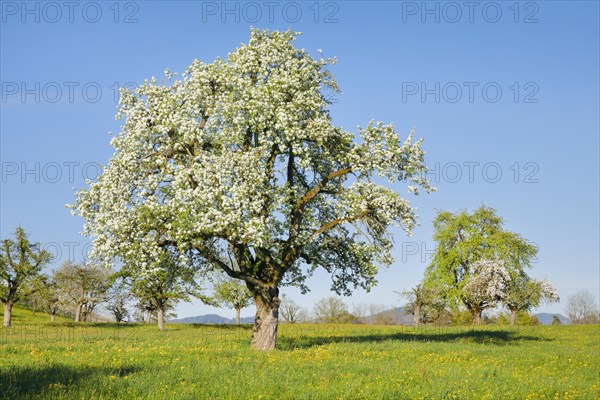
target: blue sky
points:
(505, 94)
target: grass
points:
(109, 361)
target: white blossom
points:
(488, 283)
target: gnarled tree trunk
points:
(513, 317)
(7, 314)
(160, 318)
(264, 332)
(476, 313)
(417, 315)
(78, 311)
(52, 316)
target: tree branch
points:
(319, 186)
(331, 224)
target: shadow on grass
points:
(29, 382)
(500, 337)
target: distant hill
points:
(211, 319)
(397, 315)
(546, 318)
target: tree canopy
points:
(236, 165)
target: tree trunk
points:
(149, 317)
(160, 319)
(264, 332)
(417, 315)
(7, 314)
(237, 316)
(476, 316)
(513, 317)
(52, 317)
(78, 312)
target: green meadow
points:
(64, 360)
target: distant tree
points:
(233, 293)
(147, 312)
(462, 240)
(485, 287)
(425, 303)
(83, 285)
(525, 293)
(582, 308)
(332, 310)
(291, 312)
(47, 296)
(159, 289)
(143, 312)
(556, 320)
(360, 311)
(526, 318)
(118, 298)
(34, 286)
(20, 262)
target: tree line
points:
(79, 288)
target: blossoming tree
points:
(485, 287)
(463, 240)
(525, 293)
(236, 165)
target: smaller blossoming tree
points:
(525, 293)
(485, 287)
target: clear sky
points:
(505, 94)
